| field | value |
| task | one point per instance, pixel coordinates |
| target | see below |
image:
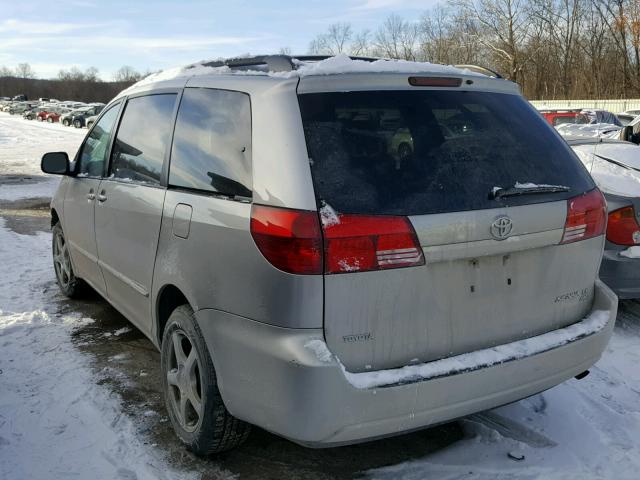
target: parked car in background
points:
(615, 167)
(55, 114)
(67, 118)
(31, 113)
(560, 116)
(625, 118)
(331, 290)
(79, 119)
(91, 120)
(635, 112)
(20, 108)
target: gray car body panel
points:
(256, 319)
(269, 378)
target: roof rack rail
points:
(272, 63)
(483, 70)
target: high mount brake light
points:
(586, 217)
(357, 243)
(435, 81)
(623, 228)
(292, 241)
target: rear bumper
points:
(621, 274)
(268, 377)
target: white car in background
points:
(615, 167)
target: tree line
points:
(555, 49)
(71, 84)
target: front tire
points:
(50, 120)
(70, 285)
(190, 388)
(77, 124)
(65, 123)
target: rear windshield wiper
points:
(527, 189)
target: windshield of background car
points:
(422, 152)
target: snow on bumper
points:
(285, 381)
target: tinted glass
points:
(420, 152)
(212, 142)
(94, 150)
(143, 138)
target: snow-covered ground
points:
(57, 421)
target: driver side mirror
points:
(56, 163)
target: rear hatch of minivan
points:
(454, 217)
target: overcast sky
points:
(107, 34)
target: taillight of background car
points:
(623, 228)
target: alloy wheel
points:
(62, 261)
(183, 379)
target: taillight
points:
(586, 217)
(623, 227)
(290, 240)
(356, 243)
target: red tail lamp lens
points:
(586, 217)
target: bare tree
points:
(397, 38)
(334, 41)
(24, 70)
(126, 74)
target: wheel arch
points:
(169, 297)
(55, 218)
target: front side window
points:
(94, 150)
(212, 142)
(143, 138)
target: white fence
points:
(615, 106)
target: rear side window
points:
(421, 152)
(143, 138)
(212, 142)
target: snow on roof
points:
(341, 63)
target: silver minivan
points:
(336, 250)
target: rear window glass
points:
(421, 152)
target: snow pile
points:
(180, 72)
(328, 215)
(535, 185)
(593, 323)
(55, 421)
(588, 130)
(341, 63)
(319, 348)
(17, 160)
(631, 252)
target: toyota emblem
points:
(501, 227)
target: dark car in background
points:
(79, 120)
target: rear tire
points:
(70, 285)
(77, 124)
(50, 120)
(190, 388)
(65, 123)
